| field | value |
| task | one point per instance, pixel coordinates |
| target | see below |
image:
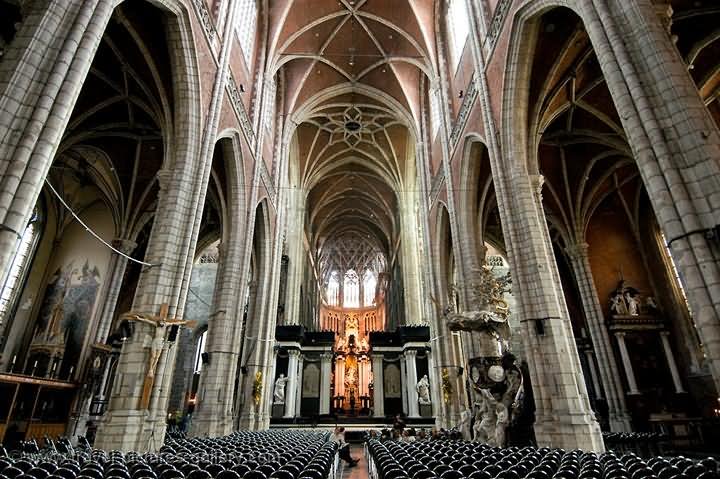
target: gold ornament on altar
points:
(257, 387)
(447, 388)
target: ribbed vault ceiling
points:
(354, 73)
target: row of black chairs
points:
(460, 459)
(241, 455)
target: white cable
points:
(87, 228)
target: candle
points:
(35, 365)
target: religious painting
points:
(311, 381)
(72, 290)
(392, 382)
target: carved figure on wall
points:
(487, 311)
(279, 392)
(423, 390)
(364, 344)
(161, 322)
(625, 301)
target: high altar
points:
(353, 367)
(352, 378)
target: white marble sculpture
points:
(464, 424)
(423, 390)
(279, 392)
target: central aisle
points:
(361, 470)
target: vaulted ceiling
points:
(355, 72)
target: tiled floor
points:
(358, 472)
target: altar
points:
(352, 370)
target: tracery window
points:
(20, 265)
(459, 28)
(369, 286)
(351, 290)
(246, 27)
(332, 292)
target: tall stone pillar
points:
(292, 383)
(41, 75)
(609, 374)
(564, 417)
(675, 143)
(665, 338)
(325, 371)
(378, 386)
(627, 364)
(339, 375)
(412, 379)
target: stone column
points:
(292, 383)
(41, 75)
(340, 375)
(675, 143)
(593, 373)
(378, 386)
(609, 373)
(629, 373)
(564, 417)
(665, 338)
(405, 384)
(298, 390)
(412, 379)
(325, 371)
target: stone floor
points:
(358, 472)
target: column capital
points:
(577, 250)
(326, 356)
(665, 333)
(163, 177)
(293, 352)
(536, 183)
(411, 353)
(620, 334)
(125, 245)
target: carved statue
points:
(464, 424)
(279, 392)
(633, 305)
(625, 301)
(160, 323)
(423, 390)
(488, 311)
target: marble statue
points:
(501, 424)
(633, 304)
(279, 392)
(464, 424)
(423, 390)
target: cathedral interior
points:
(235, 225)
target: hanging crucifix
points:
(160, 323)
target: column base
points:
(211, 426)
(132, 430)
(620, 423)
(569, 431)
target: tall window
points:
(18, 269)
(675, 272)
(434, 112)
(459, 28)
(199, 351)
(369, 286)
(246, 27)
(332, 292)
(351, 290)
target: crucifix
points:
(160, 323)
